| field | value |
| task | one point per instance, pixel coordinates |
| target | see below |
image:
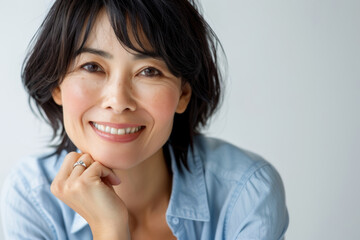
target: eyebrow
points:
(94, 51)
(140, 55)
(136, 56)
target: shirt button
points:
(175, 220)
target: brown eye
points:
(92, 67)
(150, 72)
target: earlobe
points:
(184, 98)
(56, 95)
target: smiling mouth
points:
(116, 131)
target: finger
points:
(100, 172)
(78, 169)
(67, 166)
(57, 185)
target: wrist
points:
(111, 232)
(117, 229)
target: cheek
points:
(75, 98)
(162, 103)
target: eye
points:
(92, 67)
(150, 72)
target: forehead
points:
(103, 33)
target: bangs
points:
(132, 28)
(136, 27)
(159, 29)
(128, 31)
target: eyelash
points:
(86, 67)
(89, 67)
(155, 71)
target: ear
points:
(56, 95)
(184, 98)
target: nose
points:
(119, 96)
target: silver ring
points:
(79, 163)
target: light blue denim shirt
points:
(229, 193)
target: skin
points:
(126, 179)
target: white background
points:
(293, 96)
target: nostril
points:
(119, 105)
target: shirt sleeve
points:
(22, 217)
(259, 210)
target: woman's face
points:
(118, 105)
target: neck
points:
(146, 188)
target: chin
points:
(115, 161)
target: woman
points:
(126, 87)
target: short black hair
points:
(176, 32)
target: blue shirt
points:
(229, 193)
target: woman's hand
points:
(88, 191)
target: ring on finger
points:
(79, 163)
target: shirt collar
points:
(189, 197)
(78, 223)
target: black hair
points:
(176, 32)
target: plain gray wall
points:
(293, 96)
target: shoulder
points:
(26, 199)
(33, 172)
(245, 192)
(225, 159)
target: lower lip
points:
(117, 138)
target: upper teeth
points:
(116, 131)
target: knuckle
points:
(56, 188)
(71, 156)
(75, 186)
(96, 165)
(86, 158)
